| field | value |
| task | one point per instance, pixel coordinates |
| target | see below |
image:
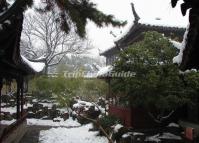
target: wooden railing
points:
(9, 129)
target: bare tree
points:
(44, 40)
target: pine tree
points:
(77, 11)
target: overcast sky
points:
(148, 11)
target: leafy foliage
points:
(60, 88)
(79, 12)
(91, 90)
(107, 121)
(63, 89)
(157, 83)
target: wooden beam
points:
(16, 7)
(1, 85)
(22, 97)
(109, 89)
(18, 98)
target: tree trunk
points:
(46, 68)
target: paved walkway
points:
(32, 134)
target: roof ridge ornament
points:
(136, 16)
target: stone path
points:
(32, 134)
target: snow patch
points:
(6, 122)
(176, 44)
(7, 22)
(173, 125)
(157, 138)
(170, 136)
(85, 105)
(104, 70)
(11, 110)
(68, 123)
(36, 66)
(178, 58)
(117, 127)
(72, 135)
(153, 138)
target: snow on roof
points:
(36, 66)
(163, 16)
(104, 70)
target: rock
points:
(65, 116)
(101, 102)
(5, 98)
(37, 107)
(46, 111)
(30, 109)
(7, 116)
(54, 113)
(39, 114)
(31, 115)
(54, 107)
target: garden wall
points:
(133, 117)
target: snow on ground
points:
(170, 136)
(132, 134)
(39, 122)
(9, 109)
(6, 122)
(158, 137)
(72, 135)
(153, 138)
(68, 123)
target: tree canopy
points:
(157, 83)
(76, 11)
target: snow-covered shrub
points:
(102, 102)
(86, 109)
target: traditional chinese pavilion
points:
(14, 66)
(134, 34)
(132, 117)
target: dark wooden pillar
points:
(22, 97)
(1, 85)
(109, 88)
(18, 98)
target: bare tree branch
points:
(42, 36)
